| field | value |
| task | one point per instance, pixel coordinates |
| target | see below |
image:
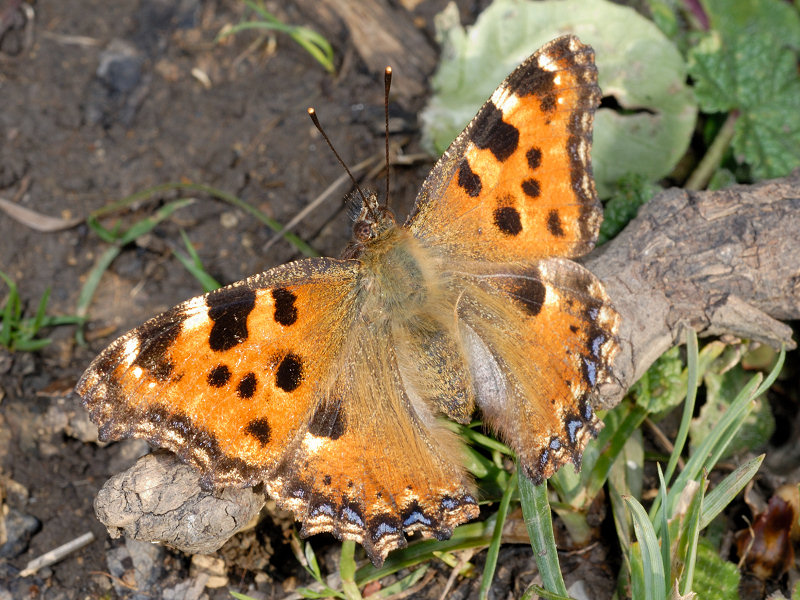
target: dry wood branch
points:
(724, 263)
(400, 45)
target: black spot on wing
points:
(228, 308)
(259, 429)
(247, 386)
(531, 79)
(490, 131)
(548, 102)
(289, 375)
(508, 221)
(219, 376)
(285, 310)
(534, 156)
(328, 420)
(468, 180)
(529, 292)
(554, 224)
(531, 188)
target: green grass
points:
(311, 41)
(19, 333)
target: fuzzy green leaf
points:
(714, 578)
(748, 64)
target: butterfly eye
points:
(362, 231)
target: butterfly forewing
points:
(517, 183)
(227, 380)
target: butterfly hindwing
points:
(546, 336)
(376, 464)
(517, 183)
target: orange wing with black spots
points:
(228, 380)
(278, 379)
(517, 183)
(512, 192)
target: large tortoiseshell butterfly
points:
(327, 379)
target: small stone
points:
(213, 566)
(228, 220)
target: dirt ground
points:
(101, 99)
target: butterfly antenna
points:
(387, 84)
(313, 114)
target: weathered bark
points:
(724, 263)
(382, 35)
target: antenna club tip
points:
(311, 110)
(388, 70)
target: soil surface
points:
(102, 99)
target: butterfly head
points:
(373, 220)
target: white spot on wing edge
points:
(130, 351)
(196, 311)
(503, 100)
(547, 63)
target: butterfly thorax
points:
(399, 278)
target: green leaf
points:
(663, 386)
(632, 191)
(714, 578)
(637, 65)
(748, 64)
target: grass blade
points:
(691, 535)
(497, 537)
(347, 570)
(652, 567)
(194, 265)
(692, 357)
(538, 520)
(666, 545)
(727, 489)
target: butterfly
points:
(331, 380)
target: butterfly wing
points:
(277, 379)
(517, 183)
(227, 380)
(541, 339)
(514, 190)
(375, 462)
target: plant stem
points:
(711, 161)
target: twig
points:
(57, 554)
(323, 197)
